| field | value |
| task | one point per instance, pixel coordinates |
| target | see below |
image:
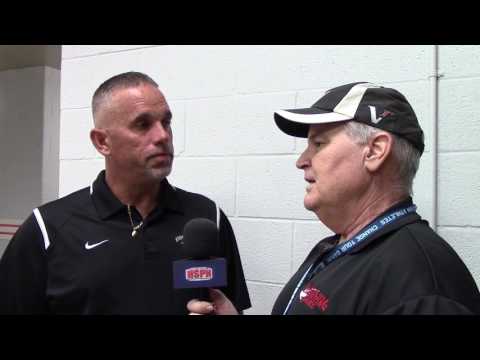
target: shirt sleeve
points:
(429, 305)
(23, 272)
(236, 289)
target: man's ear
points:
(100, 140)
(378, 150)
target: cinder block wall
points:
(459, 152)
(228, 148)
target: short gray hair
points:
(405, 154)
(120, 81)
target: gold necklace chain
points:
(134, 227)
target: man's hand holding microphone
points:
(219, 305)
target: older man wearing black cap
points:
(364, 147)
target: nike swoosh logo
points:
(88, 246)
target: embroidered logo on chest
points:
(313, 298)
(179, 239)
(91, 246)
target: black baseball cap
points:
(381, 107)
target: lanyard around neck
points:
(348, 246)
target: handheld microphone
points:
(201, 266)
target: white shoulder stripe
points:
(40, 222)
(218, 217)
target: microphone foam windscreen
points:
(200, 239)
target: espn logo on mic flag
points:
(202, 273)
(199, 273)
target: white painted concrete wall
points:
(459, 152)
(228, 148)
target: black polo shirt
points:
(404, 268)
(76, 255)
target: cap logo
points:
(373, 114)
(385, 114)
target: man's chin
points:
(159, 173)
(307, 205)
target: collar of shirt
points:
(323, 247)
(107, 204)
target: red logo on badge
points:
(313, 298)
(199, 273)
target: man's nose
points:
(303, 161)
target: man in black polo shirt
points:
(364, 147)
(109, 248)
